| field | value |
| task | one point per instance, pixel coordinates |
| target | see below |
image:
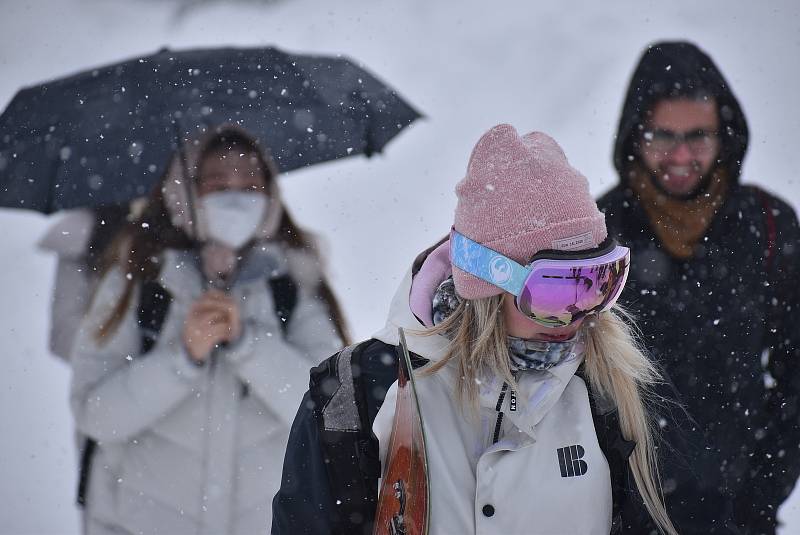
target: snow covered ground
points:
(559, 67)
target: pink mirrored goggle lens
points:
(560, 292)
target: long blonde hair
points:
(615, 365)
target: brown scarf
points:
(679, 224)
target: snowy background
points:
(561, 68)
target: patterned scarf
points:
(538, 355)
(445, 300)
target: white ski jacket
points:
(186, 449)
(545, 475)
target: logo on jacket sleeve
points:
(570, 461)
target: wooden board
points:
(404, 501)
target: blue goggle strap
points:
(486, 264)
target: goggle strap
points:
(486, 264)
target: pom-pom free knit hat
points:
(521, 196)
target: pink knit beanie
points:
(521, 196)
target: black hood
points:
(675, 70)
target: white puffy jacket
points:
(186, 449)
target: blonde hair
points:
(615, 365)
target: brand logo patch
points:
(500, 270)
(570, 461)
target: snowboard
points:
(404, 500)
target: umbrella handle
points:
(187, 182)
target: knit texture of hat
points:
(521, 196)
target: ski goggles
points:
(556, 288)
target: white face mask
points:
(233, 217)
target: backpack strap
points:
(154, 302)
(345, 440)
(772, 231)
(87, 453)
(284, 295)
(347, 391)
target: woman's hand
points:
(212, 320)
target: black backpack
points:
(347, 391)
(154, 302)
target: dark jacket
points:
(723, 323)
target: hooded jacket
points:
(679, 70)
(515, 485)
(720, 322)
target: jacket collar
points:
(181, 274)
(537, 392)
(400, 316)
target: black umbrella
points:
(105, 135)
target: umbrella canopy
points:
(105, 136)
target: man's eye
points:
(697, 135)
(663, 135)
